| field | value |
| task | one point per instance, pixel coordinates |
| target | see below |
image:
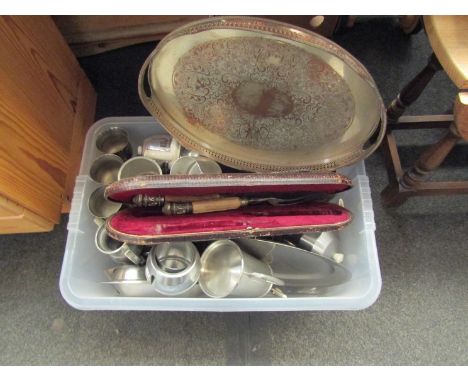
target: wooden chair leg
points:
(413, 89)
(430, 159)
(393, 195)
(412, 182)
(392, 159)
(397, 192)
(435, 155)
(410, 24)
(461, 114)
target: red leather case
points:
(147, 226)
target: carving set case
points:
(148, 226)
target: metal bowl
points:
(130, 281)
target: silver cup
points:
(188, 153)
(114, 140)
(174, 269)
(160, 147)
(323, 243)
(226, 270)
(139, 166)
(194, 165)
(105, 168)
(101, 207)
(121, 253)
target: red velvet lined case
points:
(149, 226)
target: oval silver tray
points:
(261, 95)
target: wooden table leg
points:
(413, 89)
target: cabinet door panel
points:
(40, 87)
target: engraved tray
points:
(261, 95)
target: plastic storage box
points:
(83, 265)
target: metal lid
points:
(260, 95)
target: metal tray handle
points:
(142, 80)
(376, 138)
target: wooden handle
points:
(182, 198)
(221, 204)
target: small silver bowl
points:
(130, 281)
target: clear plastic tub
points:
(83, 265)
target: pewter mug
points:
(114, 140)
(120, 252)
(139, 166)
(105, 168)
(99, 206)
(227, 271)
